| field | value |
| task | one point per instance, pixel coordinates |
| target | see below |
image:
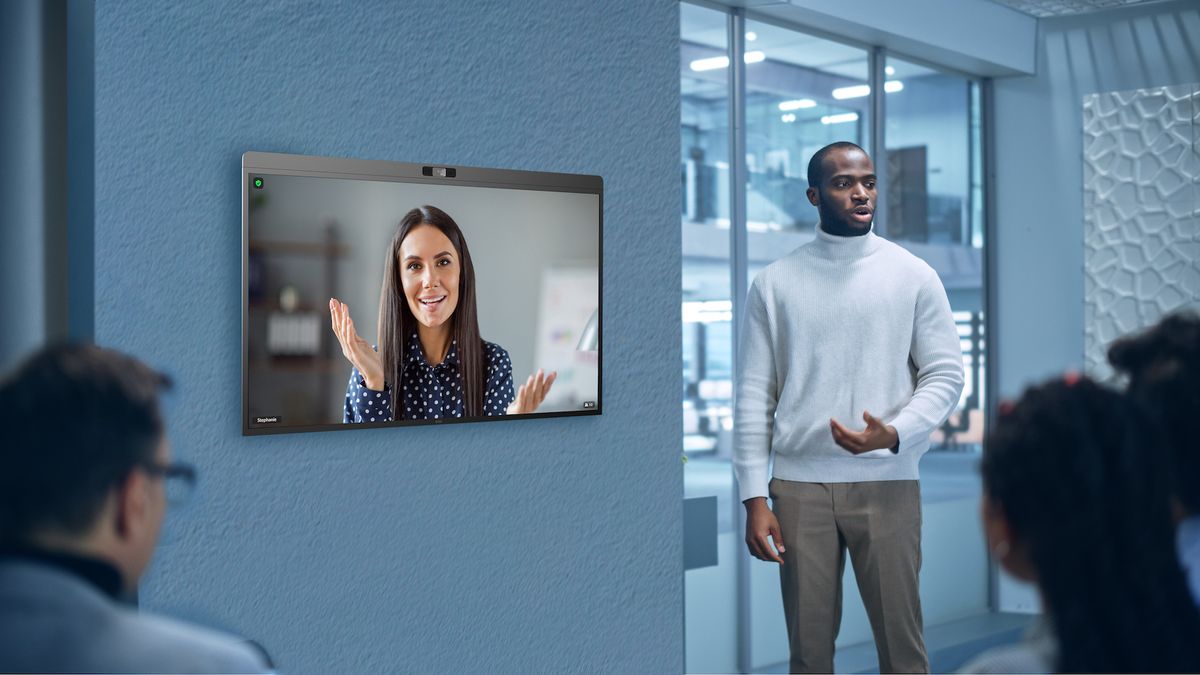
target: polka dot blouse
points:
(431, 392)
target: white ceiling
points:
(1049, 8)
(704, 26)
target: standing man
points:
(847, 327)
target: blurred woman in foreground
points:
(1077, 501)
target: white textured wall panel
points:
(1141, 171)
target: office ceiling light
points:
(711, 63)
(798, 104)
(788, 118)
(719, 62)
(860, 90)
(856, 91)
(838, 119)
(889, 71)
(751, 36)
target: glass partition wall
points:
(743, 207)
(711, 612)
(704, 172)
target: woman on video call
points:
(431, 362)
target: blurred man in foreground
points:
(84, 463)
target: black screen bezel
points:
(268, 164)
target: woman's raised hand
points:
(532, 393)
(356, 350)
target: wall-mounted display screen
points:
(390, 294)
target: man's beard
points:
(838, 225)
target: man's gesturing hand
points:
(761, 523)
(876, 436)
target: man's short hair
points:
(1163, 365)
(75, 419)
(816, 165)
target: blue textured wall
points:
(542, 545)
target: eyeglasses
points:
(179, 480)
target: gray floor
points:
(950, 645)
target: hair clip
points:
(1005, 408)
(1071, 378)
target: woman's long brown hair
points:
(397, 323)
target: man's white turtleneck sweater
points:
(839, 326)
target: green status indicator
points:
(258, 183)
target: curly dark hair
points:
(1163, 366)
(1081, 473)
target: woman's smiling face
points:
(430, 270)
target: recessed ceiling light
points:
(797, 104)
(839, 119)
(719, 62)
(860, 90)
(855, 91)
